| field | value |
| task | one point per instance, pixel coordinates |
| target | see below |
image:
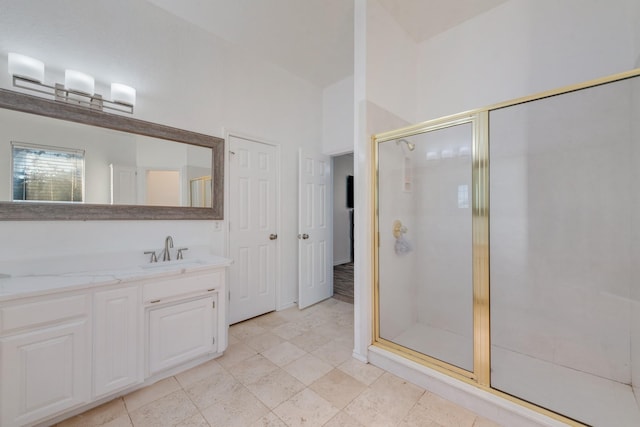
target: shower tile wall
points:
(442, 179)
(426, 300)
(563, 256)
(635, 348)
(635, 246)
(398, 290)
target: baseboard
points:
(340, 262)
(359, 357)
(289, 305)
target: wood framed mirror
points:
(131, 169)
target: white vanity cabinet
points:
(70, 341)
(182, 319)
(117, 353)
(45, 351)
(180, 332)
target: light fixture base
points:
(61, 94)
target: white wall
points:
(524, 47)
(342, 167)
(362, 188)
(337, 138)
(337, 117)
(392, 64)
(185, 78)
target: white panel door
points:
(116, 354)
(252, 228)
(315, 238)
(124, 185)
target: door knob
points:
(303, 236)
(273, 236)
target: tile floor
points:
(290, 368)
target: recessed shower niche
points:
(506, 248)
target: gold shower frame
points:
(479, 119)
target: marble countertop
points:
(28, 285)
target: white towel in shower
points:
(402, 245)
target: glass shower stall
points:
(507, 249)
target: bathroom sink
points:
(174, 265)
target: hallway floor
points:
(343, 282)
(288, 368)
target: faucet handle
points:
(154, 257)
(179, 256)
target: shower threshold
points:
(438, 343)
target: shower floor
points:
(597, 400)
(438, 343)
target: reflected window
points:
(49, 174)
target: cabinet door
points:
(44, 372)
(180, 332)
(116, 347)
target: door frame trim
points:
(333, 157)
(228, 133)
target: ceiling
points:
(313, 39)
(423, 19)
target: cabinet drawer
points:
(163, 289)
(42, 312)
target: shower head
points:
(410, 145)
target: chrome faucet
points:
(168, 243)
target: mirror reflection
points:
(48, 160)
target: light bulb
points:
(79, 82)
(123, 94)
(26, 67)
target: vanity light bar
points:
(28, 73)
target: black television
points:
(349, 191)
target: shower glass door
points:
(565, 252)
(424, 260)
